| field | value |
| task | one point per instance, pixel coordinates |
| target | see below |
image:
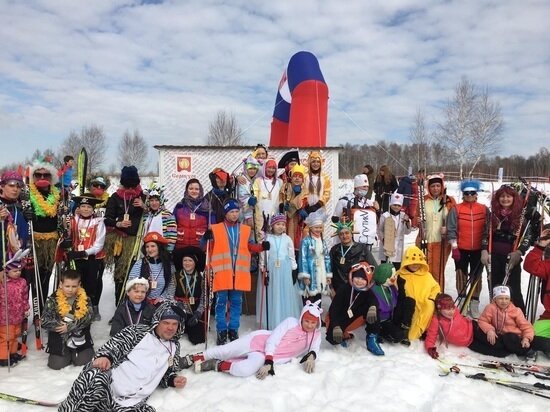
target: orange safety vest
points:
(225, 278)
(470, 223)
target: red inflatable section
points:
(279, 133)
(307, 126)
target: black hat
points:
(288, 157)
(194, 253)
(129, 176)
(87, 199)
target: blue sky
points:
(166, 68)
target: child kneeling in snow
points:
(353, 304)
(263, 348)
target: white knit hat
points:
(137, 281)
(360, 180)
(396, 199)
(501, 291)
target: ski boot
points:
(531, 355)
(207, 365)
(222, 338)
(373, 346)
(233, 335)
(189, 360)
(337, 334)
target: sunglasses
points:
(469, 193)
(42, 175)
(98, 185)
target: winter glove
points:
(208, 235)
(313, 208)
(66, 244)
(371, 315)
(266, 245)
(252, 201)
(265, 370)
(28, 213)
(193, 320)
(303, 214)
(455, 253)
(309, 361)
(335, 219)
(286, 207)
(75, 255)
(433, 353)
(485, 258)
(514, 258)
(337, 334)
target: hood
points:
(314, 309)
(414, 256)
(176, 307)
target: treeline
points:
(435, 158)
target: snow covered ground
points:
(345, 379)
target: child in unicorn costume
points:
(257, 352)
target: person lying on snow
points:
(263, 349)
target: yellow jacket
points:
(422, 287)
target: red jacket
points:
(457, 331)
(540, 268)
(509, 320)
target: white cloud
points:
(166, 68)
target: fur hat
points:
(313, 309)
(360, 180)
(137, 281)
(155, 237)
(230, 204)
(501, 290)
(11, 175)
(47, 165)
(129, 176)
(470, 185)
(396, 199)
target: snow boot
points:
(233, 335)
(473, 310)
(373, 346)
(337, 334)
(189, 360)
(222, 338)
(207, 365)
(97, 316)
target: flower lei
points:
(44, 207)
(63, 307)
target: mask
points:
(362, 192)
(98, 191)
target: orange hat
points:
(155, 237)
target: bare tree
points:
(471, 127)
(420, 139)
(486, 128)
(92, 138)
(133, 150)
(224, 130)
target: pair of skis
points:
(538, 371)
